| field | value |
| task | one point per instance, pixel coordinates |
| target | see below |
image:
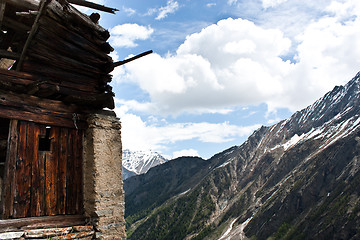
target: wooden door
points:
(43, 171)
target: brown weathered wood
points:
(51, 167)
(27, 4)
(71, 42)
(22, 83)
(42, 222)
(10, 166)
(38, 177)
(78, 19)
(15, 26)
(70, 176)
(23, 168)
(34, 28)
(98, 100)
(47, 58)
(62, 184)
(51, 112)
(78, 166)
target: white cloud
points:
(229, 63)
(345, 9)
(186, 152)
(126, 34)
(236, 62)
(139, 135)
(211, 4)
(129, 11)
(272, 3)
(162, 12)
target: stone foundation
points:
(103, 186)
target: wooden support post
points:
(10, 166)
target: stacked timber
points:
(57, 53)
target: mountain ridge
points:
(139, 162)
(286, 181)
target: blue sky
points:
(221, 69)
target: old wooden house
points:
(60, 151)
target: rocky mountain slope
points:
(298, 179)
(139, 162)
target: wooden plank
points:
(70, 176)
(23, 107)
(15, 25)
(10, 167)
(32, 33)
(42, 222)
(79, 173)
(71, 38)
(21, 83)
(80, 21)
(119, 63)
(23, 169)
(27, 4)
(38, 176)
(48, 58)
(51, 171)
(62, 184)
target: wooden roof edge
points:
(58, 4)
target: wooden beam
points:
(42, 222)
(27, 14)
(14, 25)
(93, 6)
(119, 63)
(44, 111)
(10, 169)
(32, 33)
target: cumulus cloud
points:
(127, 34)
(229, 63)
(138, 134)
(236, 62)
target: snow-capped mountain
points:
(297, 179)
(139, 162)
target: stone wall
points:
(103, 186)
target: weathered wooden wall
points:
(42, 183)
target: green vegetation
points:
(176, 220)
